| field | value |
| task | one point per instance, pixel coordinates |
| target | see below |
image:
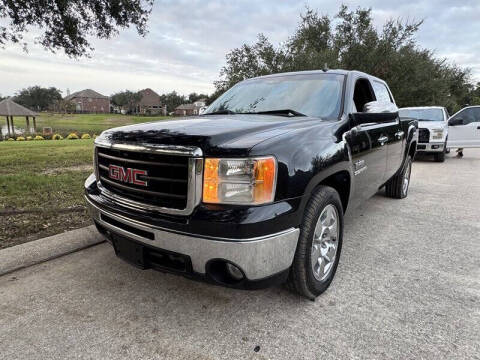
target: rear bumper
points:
(259, 258)
(431, 147)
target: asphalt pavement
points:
(407, 287)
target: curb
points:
(38, 251)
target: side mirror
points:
(379, 107)
(455, 122)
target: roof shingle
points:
(87, 93)
(10, 108)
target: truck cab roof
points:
(356, 73)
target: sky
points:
(188, 40)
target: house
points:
(150, 103)
(89, 101)
(190, 109)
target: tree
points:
(67, 24)
(195, 97)
(127, 100)
(351, 41)
(65, 106)
(38, 98)
(172, 100)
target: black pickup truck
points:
(253, 191)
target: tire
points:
(440, 157)
(396, 187)
(310, 276)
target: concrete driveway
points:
(408, 286)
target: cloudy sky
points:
(187, 42)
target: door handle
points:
(478, 127)
(382, 140)
(399, 134)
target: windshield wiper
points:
(221, 112)
(282, 112)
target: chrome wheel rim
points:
(325, 243)
(406, 178)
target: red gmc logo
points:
(127, 175)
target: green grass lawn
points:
(82, 123)
(41, 188)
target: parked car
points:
(432, 129)
(253, 192)
(464, 128)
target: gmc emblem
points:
(127, 175)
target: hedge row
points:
(71, 136)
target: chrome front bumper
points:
(259, 257)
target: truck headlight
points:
(437, 133)
(239, 181)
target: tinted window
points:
(469, 115)
(362, 94)
(381, 92)
(422, 114)
(318, 95)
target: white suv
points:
(432, 129)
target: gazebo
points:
(9, 108)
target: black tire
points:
(440, 157)
(394, 188)
(301, 278)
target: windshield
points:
(422, 114)
(317, 95)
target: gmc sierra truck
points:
(253, 191)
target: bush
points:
(29, 138)
(86, 136)
(10, 139)
(20, 138)
(72, 136)
(57, 137)
(38, 137)
(95, 136)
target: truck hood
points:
(221, 134)
(430, 125)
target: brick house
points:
(150, 103)
(89, 101)
(190, 109)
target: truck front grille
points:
(154, 179)
(423, 135)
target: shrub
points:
(72, 136)
(10, 139)
(20, 138)
(86, 136)
(57, 137)
(95, 136)
(29, 138)
(38, 137)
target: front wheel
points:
(319, 244)
(397, 187)
(440, 157)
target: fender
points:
(411, 140)
(332, 166)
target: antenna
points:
(325, 67)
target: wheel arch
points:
(338, 179)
